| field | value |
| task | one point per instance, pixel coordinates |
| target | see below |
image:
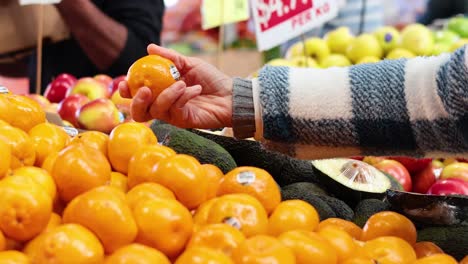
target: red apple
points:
(449, 186)
(100, 115)
(114, 86)
(398, 171)
(424, 179)
(43, 102)
(67, 77)
(90, 88)
(455, 170)
(106, 80)
(68, 108)
(58, 89)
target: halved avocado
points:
(351, 180)
(430, 210)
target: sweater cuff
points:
(243, 111)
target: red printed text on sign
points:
(274, 12)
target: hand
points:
(201, 99)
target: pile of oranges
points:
(123, 198)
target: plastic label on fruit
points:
(175, 73)
(232, 221)
(71, 131)
(246, 177)
(4, 90)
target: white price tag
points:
(277, 21)
(217, 12)
(40, 2)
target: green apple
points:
(363, 46)
(418, 39)
(388, 37)
(91, 88)
(339, 39)
(368, 59)
(459, 25)
(460, 43)
(335, 60)
(281, 62)
(445, 36)
(297, 49)
(317, 48)
(399, 53)
(302, 62)
(440, 48)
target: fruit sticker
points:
(174, 72)
(246, 177)
(234, 222)
(71, 131)
(4, 90)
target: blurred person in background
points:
(443, 9)
(107, 37)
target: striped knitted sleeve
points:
(416, 107)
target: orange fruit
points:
(152, 71)
(22, 147)
(2, 241)
(214, 175)
(47, 138)
(351, 228)
(119, 181)
(5, 161)
(21, 112)
(183, 175)
(220, 237)
(124, 140)
(359, 260)
(436, 258)
(292, 215)
(263, 249)
(341, 241)
(389, 250)
(69, 243)
(201, 255)
(307, 245)
(54, 221)
(147, 191)
(164, 224)
(254, 181)
(140, 166)
(464, 260)
(94, 139)
(13, 257)
(79, 168)
(200, 216)
(137, 253)
(40, 176)
(11, 244)
(26, 208)
(242, 211)
(104, 211)
(426, 248)
(389, 224)
(49, 161)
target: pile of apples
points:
(90, 103)
(340, 48)
(427, 176)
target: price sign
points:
(277, 21)
(218, 12)
(42, 2)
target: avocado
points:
(185, 142)
(341, 209)
(306, 187)
(366, 208)
(284, 169)
(395, 184)
(302, 192)
(351, 180)
(430, 210)
(453, 240)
